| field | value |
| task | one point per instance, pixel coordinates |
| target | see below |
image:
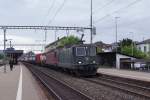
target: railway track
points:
(133, 89)
(58, 89)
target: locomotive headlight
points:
(79, 62)
(94, 62)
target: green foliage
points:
(70, 40)
(125, 42)
(136, 53)
(126, 46)
(148, 55)
(99, 50)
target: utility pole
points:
(10, 43)
(116, 23)
(45, 38)
(4, 29)
(91, 24)
(4, 39)
(55, 35)
(132, 43)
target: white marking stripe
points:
(19, 93)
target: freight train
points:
(80, 59)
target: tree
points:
(127, 46)
(125, 42)
(70, 40)
(136, 53)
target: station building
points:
(14, 54)
(115, 60)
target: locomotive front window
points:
(80, 51)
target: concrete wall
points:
(118, 57)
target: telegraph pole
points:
(91, 23)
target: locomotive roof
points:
(84, 45)
(69, 46)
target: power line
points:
(49, 10)
(107, 4)
(58, 10)
(117, 11)
(51, 7)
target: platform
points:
(19, 84)
(144, 76)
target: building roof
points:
(114, 53)
(54, 43)
(102, 45)
(12, 50)
(144, 42)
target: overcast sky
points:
(133, 16)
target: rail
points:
(59, 89)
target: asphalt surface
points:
(13, 86)
(143, 76)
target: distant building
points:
(144, 46)
(104, 47)
(115, 60)
(114, 46)
(53, 45)
(12, 53)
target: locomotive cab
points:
(85, 59)
(87, 54)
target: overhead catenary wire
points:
(101, 8)
(58, 10)
(117, 11)
(107, 4)
(51, 7)
(52, 3)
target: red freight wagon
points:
(51, 58)
(38, 58)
